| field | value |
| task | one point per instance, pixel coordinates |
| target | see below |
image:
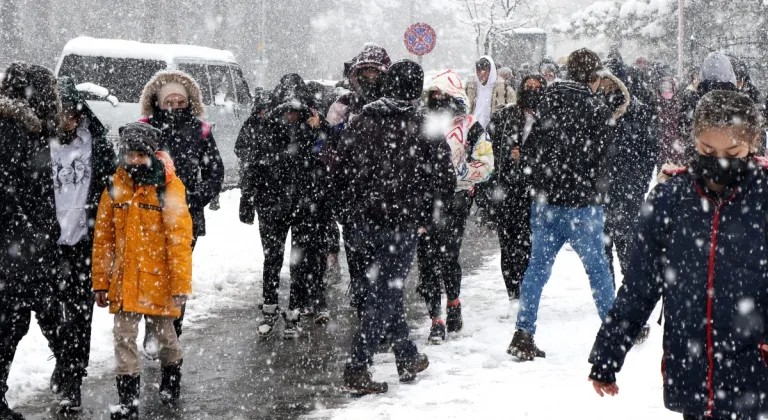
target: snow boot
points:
(407, 369)
(523, 347)
(453, 320)
(71, 383)
(322, 315)
(6, 413)
(128, 390)
(56, 378)
(170, 385)
(307, 312)
(643, 336)
(437, 333)
(292, 324)
(360, 382)
(269, 320)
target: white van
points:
(124, 67)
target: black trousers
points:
(621, 212)
(15, 316)
(514, 230)
(71, 309)
(333, 237)
(178, 323)
(357, 256)
(308, 260)
(438, 255)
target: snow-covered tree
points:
(491, 17)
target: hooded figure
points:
(716, 73)
(509, 192)
(394, 176)
(364, 89)
(285, 182)
(472, 156)
(29, 117)
(486, 98)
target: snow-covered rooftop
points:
(530, 31)
(119, 48)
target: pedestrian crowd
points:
(391, 167)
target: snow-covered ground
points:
(227, 263)
(472, 377)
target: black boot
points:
(170, 386)
(453, 321)
(6, 413)
(71, 383)
(128, 389)
(360, 382)
(407, 369)
(523, 347)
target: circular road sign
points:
(420, 39)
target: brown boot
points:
(360, 382)
(524, 348)
(408, 369)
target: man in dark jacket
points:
(567, 144)
(393, 179)
(285, 179)
(510, 129)
(172, 103)
(366, 74)
(83, 162)
(29, 118)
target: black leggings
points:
(514, 230)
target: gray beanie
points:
(139, 137)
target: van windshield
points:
(124, 77)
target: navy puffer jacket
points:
(707, 256)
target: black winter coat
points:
(706, 257)
(104, 165)
(391, 173)
(567, 145)
(282, 173)
(28, 225)
(198, 163)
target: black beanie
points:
(404, 80)
(139, 137)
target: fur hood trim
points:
(151, 90)
(627, 96)
(21, 112)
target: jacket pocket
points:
(154, 289)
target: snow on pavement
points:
(472, 377)
(227, 263)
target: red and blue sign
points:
(420, 39)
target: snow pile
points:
(472, 377)
(227, 263)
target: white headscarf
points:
(484, 98)
(717, 67)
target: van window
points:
(200, 74)
(124, 77)
(221, 84)
(241, 86)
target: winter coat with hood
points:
(567, 144)
(501, 95)
(188, 140)
(28, 226)
(285, 175)
(393, 173)
(103, 159)
(142, 248)
(704, 254)
(716, 74)
(471, 149)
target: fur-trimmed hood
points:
(623, 88)
(19, 111)
(149, 95)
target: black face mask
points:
(441, 105)
(722, 171)
(139, 173)
(530, 99)
(176, 117)
(370, 89)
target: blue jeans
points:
(552, 227)
(388, 257)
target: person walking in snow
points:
(510, 129)
(473, 162)
(701, 246)
(567, 144)
(30, 112)
(716, 74)
(83, 162)
(172, 103)
(366, 77)
(393, 177)
(487, 92)
(142, 261)
(286, 180)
